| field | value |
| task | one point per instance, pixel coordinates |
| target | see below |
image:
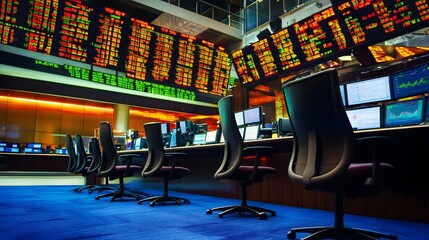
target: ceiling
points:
(157, 16)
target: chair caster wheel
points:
(291, 235)
(262, 216)
(220, 215)
(273, 214)
(97, 198)
(209, 212)
(152, 204)
(140, 203)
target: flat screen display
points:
(199, 138)
(368, 91)
(404, 113)
(165, 128)
(411, 82)
(343, 94)
(251, 132)
(365, 118)
(211, 136)
(239, 118)
(253, 116)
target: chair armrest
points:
(128, 157)
(373, 143)
(90, 157)
(257, 151)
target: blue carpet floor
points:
(55, 212)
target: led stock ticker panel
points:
(325, 35)
(107, 43)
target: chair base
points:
(163, 199)
(101, 188)
(80, 189)
(119, 194)
(258, 211)
(338, 233)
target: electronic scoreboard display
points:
(106, 42)
(325, 35)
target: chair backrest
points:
(96, 155)
(156, 153)
(72, 154)
(109, 155)
(81, 154)
(233, 152)
(323, 137)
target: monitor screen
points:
(137, 143)
(251, 132)
(284, 127)
(365, 118)
(343, 94)
(241, 130)
(34, 145)
(369, 90)
(211, 136)
(404, 113)
(411, 82)
(182, 126)
(239, 118)
(427, 110)
(165, 128)
(199, 138)
(253, 115)
(2, 149)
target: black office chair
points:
(232, 166)
(323, 151)
(110, 166)
(157, 166)
(85, 165)
(78, 159)
(95, 166)
(70, 146)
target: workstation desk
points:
(404, 197)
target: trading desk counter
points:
(404, 197)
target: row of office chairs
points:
(322, 157)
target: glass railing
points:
(211, 11)
(248, 18)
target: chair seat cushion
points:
(364, 170)
(121, 170)
(245, 171)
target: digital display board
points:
(106, 42)
(369, 22)
(328, 34)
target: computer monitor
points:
(199, 138)
(368, 90)
(201, 128)
(211, 136)
(404, 113)
(241, 130)
(284, 127)
(411, 82)
(182, 126)
(34, 145)
(252, 116)
(365, 118)
(165, 128)
(251, 132)
(239, 118)
(343, 94)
